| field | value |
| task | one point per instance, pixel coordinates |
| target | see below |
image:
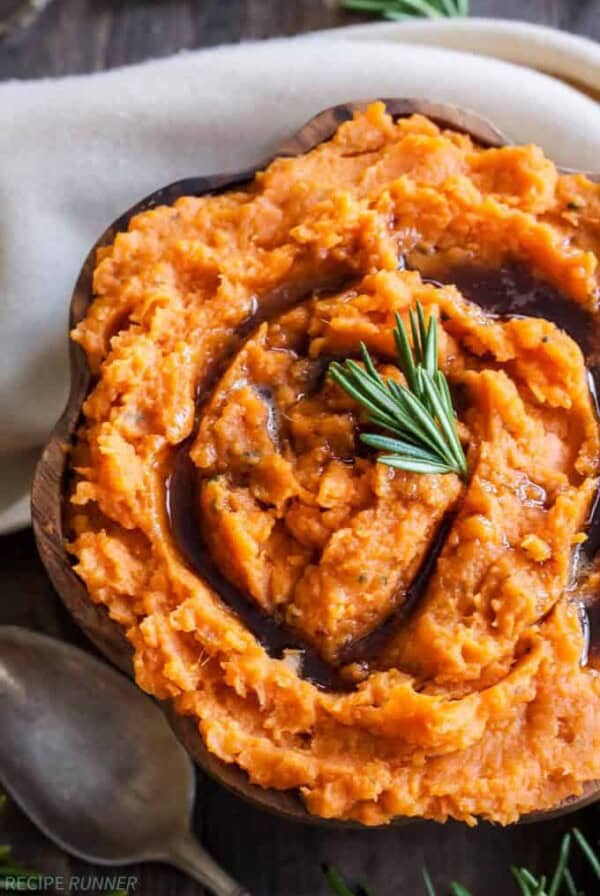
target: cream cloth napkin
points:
(77, 151)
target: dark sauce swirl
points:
(274, 635)
(514, 291)
(510, 291)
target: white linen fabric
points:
(77, 151)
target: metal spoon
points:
(94, 763)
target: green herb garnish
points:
(588, 852)
(420, 416)
(458, 889)
(409, 9)
(561, 881)
(14, 876)
(429, 888)
(336, 882)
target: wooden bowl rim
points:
(47, 496)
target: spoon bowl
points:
(93, 761)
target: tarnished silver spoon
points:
(94, 763)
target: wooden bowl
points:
(49, 484)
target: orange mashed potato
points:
(478, 704)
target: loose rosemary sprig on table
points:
(561, 882)
(419, 416)
(409, 9)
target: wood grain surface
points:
(88, 35)
(269, 855)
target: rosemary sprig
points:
(420, 416)
(408, 9)
(561, 881)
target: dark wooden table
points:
(270, 856)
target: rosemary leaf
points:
(563, 858)
(378, 396)
(517, 873)
(429, 888)
(422, 332)
(368, 362)
(385, 443)
(530, 880)
(423, 422)
(413, 466)
(431, 348)
(415, 333)
(447, 424)
(346, 382)
(441, 385)
(405, 353)
(570, 883)
(367, 5)
(459, 890)
(393, 425)
(337, 882)
(588, 852)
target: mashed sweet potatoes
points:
(478, 701)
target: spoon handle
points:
(187, 855)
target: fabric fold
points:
(75, 152)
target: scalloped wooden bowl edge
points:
(48, 488)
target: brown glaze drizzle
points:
(275, 636)
(513, 291)
(366, 649)
(592, 630)
(509, 291)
